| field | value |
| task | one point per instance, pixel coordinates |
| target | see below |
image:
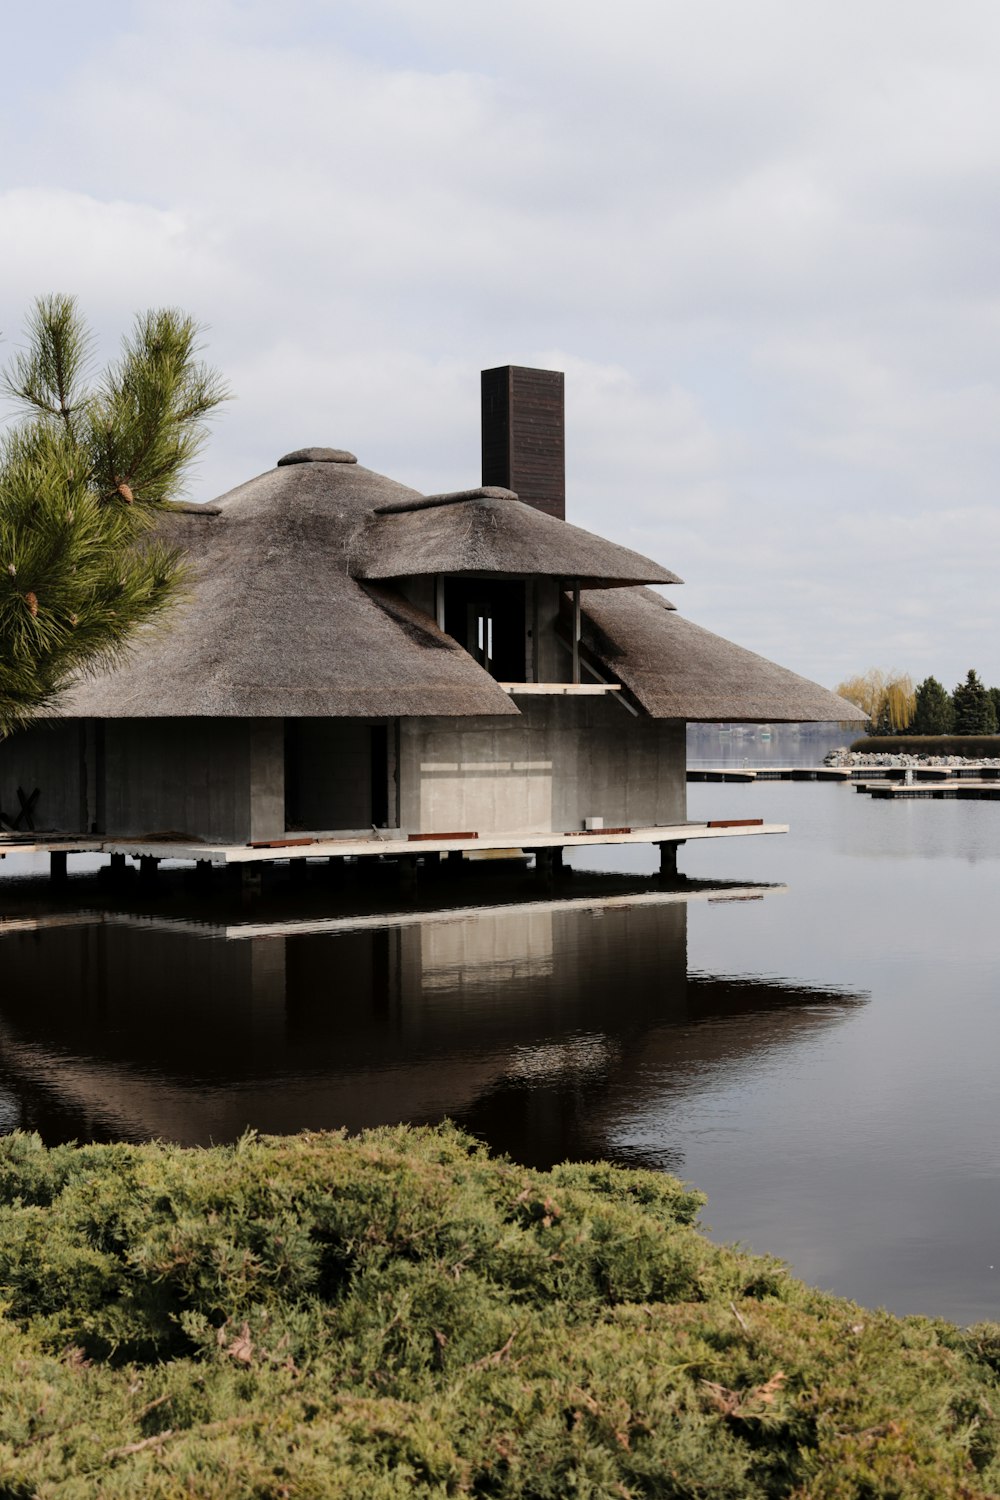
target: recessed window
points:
(487, 617)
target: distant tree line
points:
(894, 706)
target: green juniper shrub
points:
(400, 1314)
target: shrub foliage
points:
(400, 1314)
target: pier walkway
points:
(386, 844)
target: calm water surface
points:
(819, 1054)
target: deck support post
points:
(118, 868)
(298, 871)
(203, 871)
(456, 858)
(548, 861)
(668, 860)
(250, 878)
(57, 866)
(407, 868)
(148, 866)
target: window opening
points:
(488, 618)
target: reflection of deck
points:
(361, 921)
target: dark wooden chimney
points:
(524, 443)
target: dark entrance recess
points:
(336, 775)
(487, 617)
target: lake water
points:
(810, 1032)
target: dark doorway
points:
(336, 775)
(487, 617)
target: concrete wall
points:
(563, 760)
(53, 757)
(220, 779)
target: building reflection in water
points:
(535, 1025)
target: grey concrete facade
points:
(220, 779)
(58, 760)
(217, 779)
(563, 760)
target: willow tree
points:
(89, 461)
(886, 698)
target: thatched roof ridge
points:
(487, 534)
(317, 456)
(452, 497)
(276, 627)
(677, 670)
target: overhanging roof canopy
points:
(490, 531)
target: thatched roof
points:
(490, 531)
(276, 627)
(676, 670)
(286, 617)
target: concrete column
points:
(57, 866)
(668, 861)
(267, 778)
(148, 866)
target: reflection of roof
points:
(491, 531)
(676, 670)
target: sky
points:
(759, 236)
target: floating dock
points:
(770, 773)
(886, 780)
(959, 788)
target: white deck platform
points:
(386, 844)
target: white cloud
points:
(759, 238)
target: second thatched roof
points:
(676, 670)
(491, 531)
